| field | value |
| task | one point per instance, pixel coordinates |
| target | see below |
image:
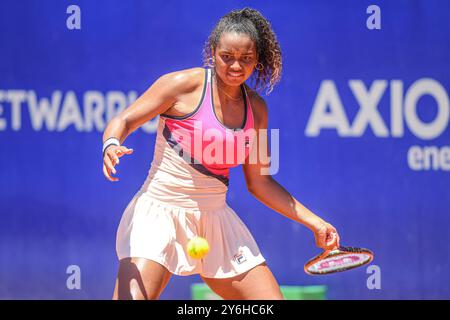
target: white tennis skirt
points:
(159, 231)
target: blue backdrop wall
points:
(364, 140)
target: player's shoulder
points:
(259, 105)
(185, 80)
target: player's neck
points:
(232, 93)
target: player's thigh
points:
(140, 278)
(256, 284)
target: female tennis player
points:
(184, 194)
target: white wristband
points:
(109, 142)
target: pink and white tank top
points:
(205, 143)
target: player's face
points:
(235, 58)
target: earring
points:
(210, 62)
(261, 66)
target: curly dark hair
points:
(252, 23)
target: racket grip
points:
(333, 236)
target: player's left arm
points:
(267, 190)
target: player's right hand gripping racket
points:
(338, 259)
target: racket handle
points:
(333, 239)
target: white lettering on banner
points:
(43, 111)
(16, 97)
(94, 109)
(62, 110)
(368, 113)
(116, 102)
(328, 97)
(439, 124)
(368, 100)
(70, 113)
(396, 108)
(328, 113)
(429, 158)
(2, 121)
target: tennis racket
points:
(338, 260)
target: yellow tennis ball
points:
(198, 247)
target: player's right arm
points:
(161, 96)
